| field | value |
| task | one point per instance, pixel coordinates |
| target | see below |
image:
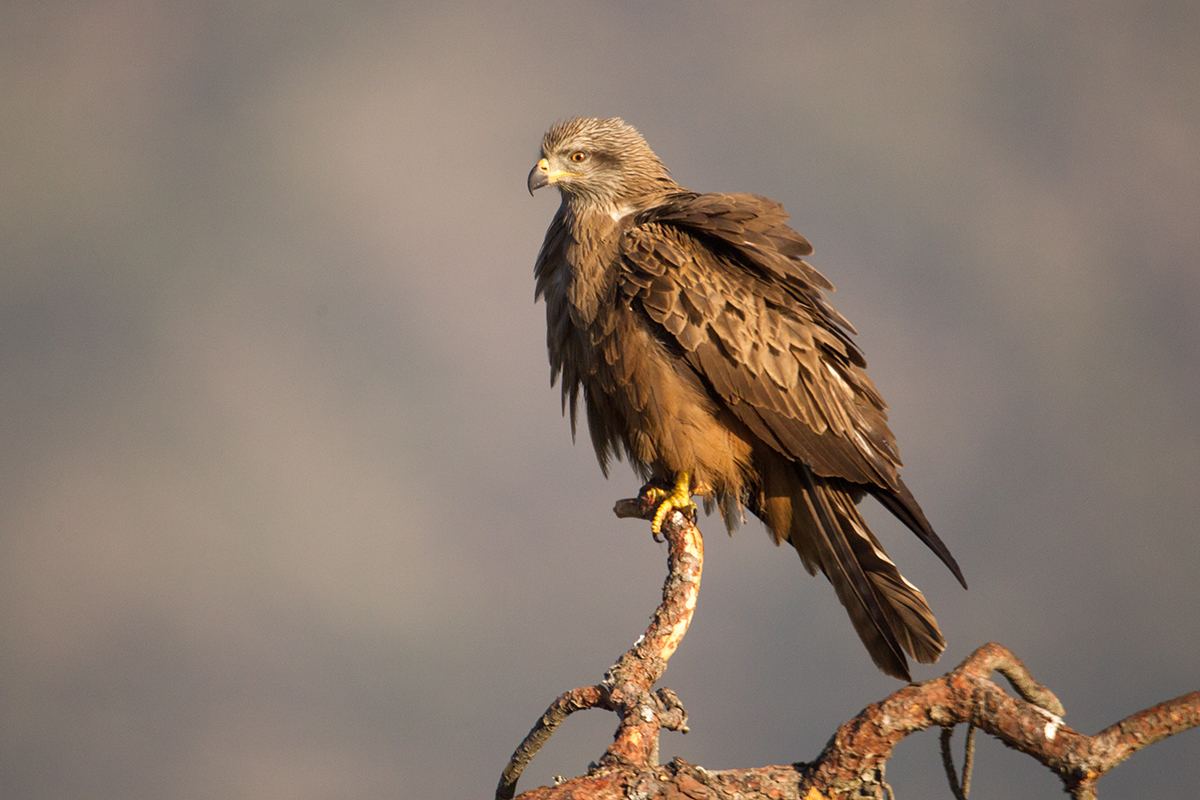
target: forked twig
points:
(960, 788)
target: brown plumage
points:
(704, 346)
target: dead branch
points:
(852, 764)
(627, 687)
(1031, 723)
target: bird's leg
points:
(669, 500)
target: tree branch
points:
(627, 687)
(852, 764)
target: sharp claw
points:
(680, 498)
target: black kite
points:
(708, 355)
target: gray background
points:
(287, 508)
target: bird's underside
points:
(707, 354)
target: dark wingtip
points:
(904, 506)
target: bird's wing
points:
(722, 278)
(722, 275)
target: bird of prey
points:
(708, 355)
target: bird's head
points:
(599, 161)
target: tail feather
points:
(821, 521)
(909, 615)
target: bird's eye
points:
(578, 157)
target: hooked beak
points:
(542, 175)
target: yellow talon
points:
(680, 498)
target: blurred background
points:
(287, 506)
